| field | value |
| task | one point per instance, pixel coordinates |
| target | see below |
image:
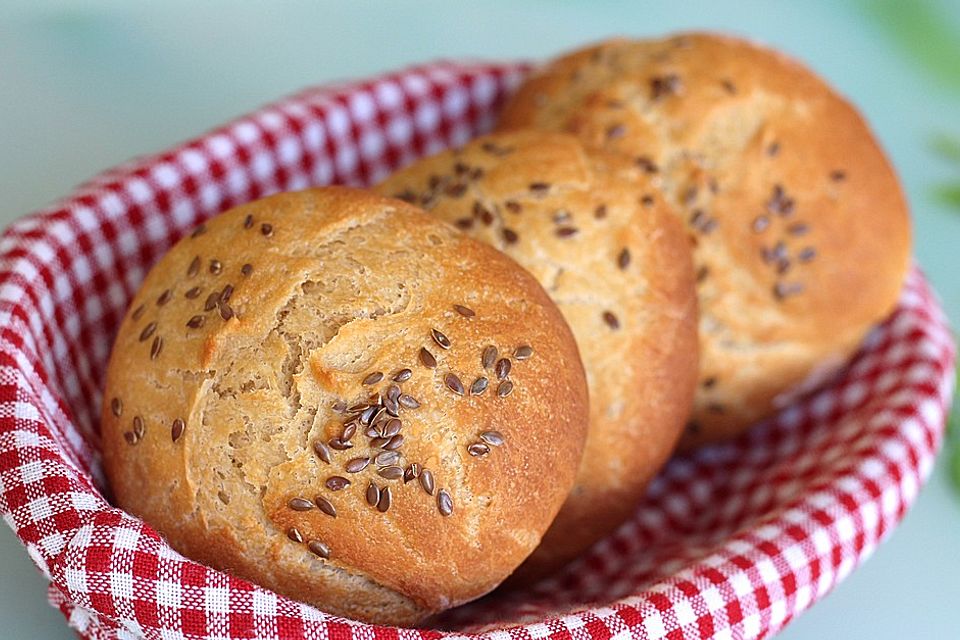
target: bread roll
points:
(801, 230)
(618, 265)
(304, 394)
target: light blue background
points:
(86, 85)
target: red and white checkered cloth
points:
(730, 543)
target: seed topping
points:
(442, 340)
(701, 221)
(412, 472)
(782, 290)
(426, 481)
(663, 86)
(378, 442)
(300, 504)
(479, 386)
(427, 359)
(503, 368)
(408, 401)
(326, 506)
(489, 356)
(391, 427)
(373, 378)
(392, 472)
(339, 444)
(319, 549)
(478, 449)
(356, 465)
(387, 458)
(322, 451)
(611, 320)
(156, 347)
(386, 499)
(336, 483)
(373, 494)
(646, 164)
(540, 188)
(148, 331)
(453, 383)
(176, 429)
(444, 503)
(494, 149)
(779, 202)
(226, 311)
(492, 438)
(616, 131)
(798, 229)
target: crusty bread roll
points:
(619, 267)
(801, 230)
(304, 393)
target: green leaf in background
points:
(948, 194)
(923, 31)
(955, 467)
(945, 145)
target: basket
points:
(731, 542)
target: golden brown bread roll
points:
(801, 231)
(238, 417)
(618, 265)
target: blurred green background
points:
(85, 85)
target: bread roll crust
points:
(801, 230)
(326, 287)
(619, 267)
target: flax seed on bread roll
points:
(295, 397)
(801, 230)
(618, 265)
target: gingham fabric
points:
(731, 542)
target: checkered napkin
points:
(730, 543)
